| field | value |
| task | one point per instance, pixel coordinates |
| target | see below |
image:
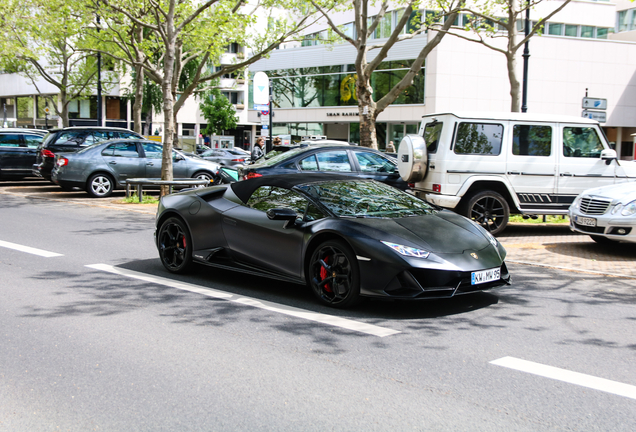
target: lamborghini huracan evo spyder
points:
(344, 237)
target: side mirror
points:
(286, 214)
(608, 155)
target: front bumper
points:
(606, 225)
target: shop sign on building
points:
(599, 116)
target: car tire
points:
(602, 240)
(490, 210)
(175, 245)
(333, 274)
(203, 176)
(100, 185)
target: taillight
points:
(437, 188)
(238, 160)
(47, 153)
(411, 185)
(252, 175)
(62, 162)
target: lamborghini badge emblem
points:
(474, 255)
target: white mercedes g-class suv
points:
(487, 166)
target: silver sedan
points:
(103, 167)
(607, 213)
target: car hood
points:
(622, 192)
(443, 232)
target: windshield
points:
(366, 199)
(275, 156)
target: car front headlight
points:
(407, 251)
(629, 209)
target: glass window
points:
(152, 150)
(25, 107)
(334, 161)
(270, 197)
(432, 132)
(479, 138)
(587, 31)
(415, 22)
(366, 199)
(530, 140)
(581, 142)
(9, 140)
(33, 140)
(555, 29)
(571, 30)
(309, 164)
(128, 135)
(373, 162)
(122, 149)
(72, 137)
(601, 33)
(98, 136)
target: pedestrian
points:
(257, 151)
(390, 148)
(278, 141)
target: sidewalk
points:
(549, 245)
(554, 245)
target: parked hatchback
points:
(337, 158)
(101, 168)
(72, 139)
(18, 149)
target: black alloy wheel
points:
(175, 246)
(490, 210)
(100, 185)
(334, 276)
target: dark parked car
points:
(73, 139)
(18, 149)
(226, 157)
(103, 167)
(342, 236)
(361, 162)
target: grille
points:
(592, 206)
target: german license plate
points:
(484, 276)
(587, 221)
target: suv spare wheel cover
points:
(412, 158)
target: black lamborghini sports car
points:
(344, 237)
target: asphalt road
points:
(124, 346)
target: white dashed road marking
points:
(567, 376)
(28, 249)
(262, 304)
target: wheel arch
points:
(489, 185)
(103, 171)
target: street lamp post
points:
(526, 55)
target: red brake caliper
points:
(323, 274)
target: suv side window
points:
(432, 132)
(33, 141)
(532, 140)
(9, 140)
(581, 142)
(127, 135)
(479, 139)
(71, 137)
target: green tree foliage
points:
(371, 27)
(40, 41)
(218, 112)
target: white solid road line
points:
(28, 249)
(567, 376)
(262, 304)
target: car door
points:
(152, 160)
(256, 239)
(580, 163)
(11, 153)
(122, 159)
(31, 143)
(531, 164)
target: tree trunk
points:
(515, 85)
(64, 113)
(366, 109)
(168, 99)
(139, 98)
